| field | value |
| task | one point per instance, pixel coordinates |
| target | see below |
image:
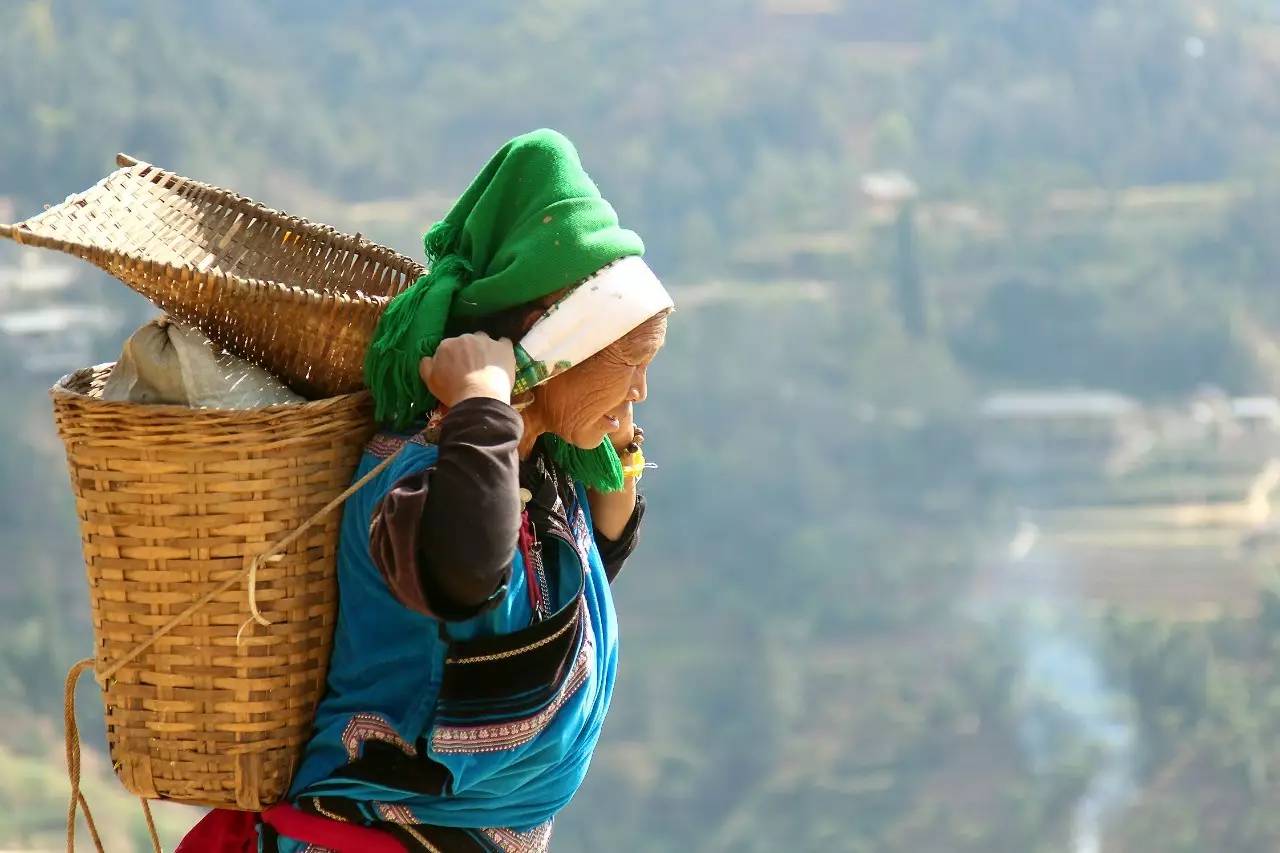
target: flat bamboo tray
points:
(298, 298)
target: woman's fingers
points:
(471, 365)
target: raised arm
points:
(443, 538)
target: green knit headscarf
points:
(531, 223)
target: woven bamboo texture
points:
(298, 298)
(173, 502)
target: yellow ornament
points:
(635, 466)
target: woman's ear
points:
(537, 309)
(530, 317)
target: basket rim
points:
(61, 389)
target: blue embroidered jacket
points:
(486, 725)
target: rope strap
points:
(250, 571)
(72, 736)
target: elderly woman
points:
(476, 643)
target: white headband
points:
(593, 315)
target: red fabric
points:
(526, 541)
(222, 831)
(226, 831)
(342, 837)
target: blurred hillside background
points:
(963, 537)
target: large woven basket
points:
(173, 504)
(296, 297)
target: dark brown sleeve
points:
(444, 538)
(614, 552)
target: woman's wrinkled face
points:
(587, 402)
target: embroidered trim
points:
(513, 652)
(315, 804)
(385, 444)
(418, 837)
(365, 726)
(316, 848)
(536, 840)
(397, 813)
(496, 737)
(582, 535)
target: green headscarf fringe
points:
(400, 397)
(600, 469)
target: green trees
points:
(802, 663)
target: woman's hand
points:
(471, 365)
(626, 431)
(612, 510)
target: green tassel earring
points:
(600, 469)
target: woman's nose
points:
(640, 386)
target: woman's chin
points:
(588, 440)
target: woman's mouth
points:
(613, 423)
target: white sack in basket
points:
(167, 362)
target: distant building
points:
(56, 338)
(41, 329)
(33, 274)
(1256, 414)
(1247, 426)
(801, 7)
(1053, 433)
(892, 188)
